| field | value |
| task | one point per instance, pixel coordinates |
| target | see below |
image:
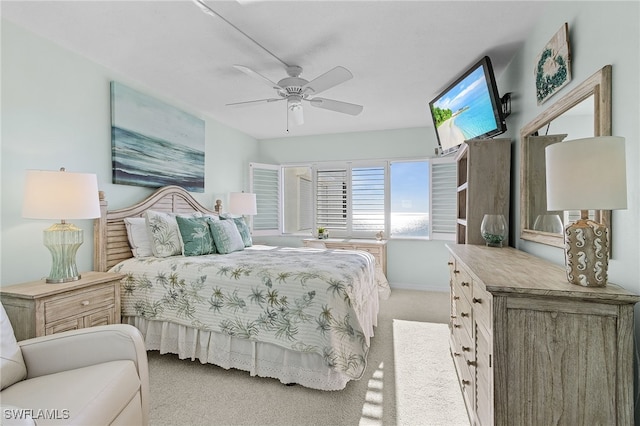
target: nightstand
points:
(38, 309)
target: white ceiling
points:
(401, 53)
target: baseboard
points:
(419, 287)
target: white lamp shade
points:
(60, 195)
(586, 174)
(242, 203)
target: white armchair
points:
(91, 376)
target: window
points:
(409, 199)
(404, 199)
(351, 200)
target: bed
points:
(299, 315)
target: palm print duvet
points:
(302, 299)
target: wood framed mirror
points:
(583, 112)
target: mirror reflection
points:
(583, 112)
(575, 123)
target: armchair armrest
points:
(88, 346)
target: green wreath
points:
(547, 84)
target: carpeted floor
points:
(409, 381)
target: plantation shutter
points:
(331, 198)
(265, 183)
(368, 199)
(443, 199)
(305, 210)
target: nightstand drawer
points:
(78, 303)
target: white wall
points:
(55, 113)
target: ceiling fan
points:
(295, 90)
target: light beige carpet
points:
(409, 381)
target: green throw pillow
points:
(196, 236)
(226, 236)
(243, 228)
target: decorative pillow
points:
(11, 361)
(164, 234)
(196, 236)
(243, 228)
(226, 236)
(138, 236)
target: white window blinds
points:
(265, 183)
(368, 199)
(331, 198)
(443, 199)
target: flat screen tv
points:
(469, 108)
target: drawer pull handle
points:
(85, 303)
(455, 271)
(465, 382)
(453, 317)
(456, 354)
(456, 297)
(456, 325)
(466, 349)
(450, 263)
(464, 284)
(477, 300)
(464, 314)
(472, 363)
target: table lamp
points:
(242, 203)
(586, 174)
(61, 195)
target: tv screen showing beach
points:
(465, 111)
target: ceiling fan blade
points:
(338, 106)
(328, 80)
(252, 73)
(256, 101)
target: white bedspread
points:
(301, 299)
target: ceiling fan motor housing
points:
(291, 86)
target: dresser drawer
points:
(463, 281)
(481, 302)
(463, 315)
(64, 306)
(375, 251)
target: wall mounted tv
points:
(469, 108)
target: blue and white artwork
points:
(154, 144)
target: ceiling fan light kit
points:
(294, 88)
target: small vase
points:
(494, 229)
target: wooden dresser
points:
(38, 308)
(377, 248)
(532, 349)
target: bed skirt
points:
(259, 359)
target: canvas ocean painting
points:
(154, 144)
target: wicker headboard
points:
(110, 241)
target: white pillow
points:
(164, 233)
(138, 236)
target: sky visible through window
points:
(410, 199)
